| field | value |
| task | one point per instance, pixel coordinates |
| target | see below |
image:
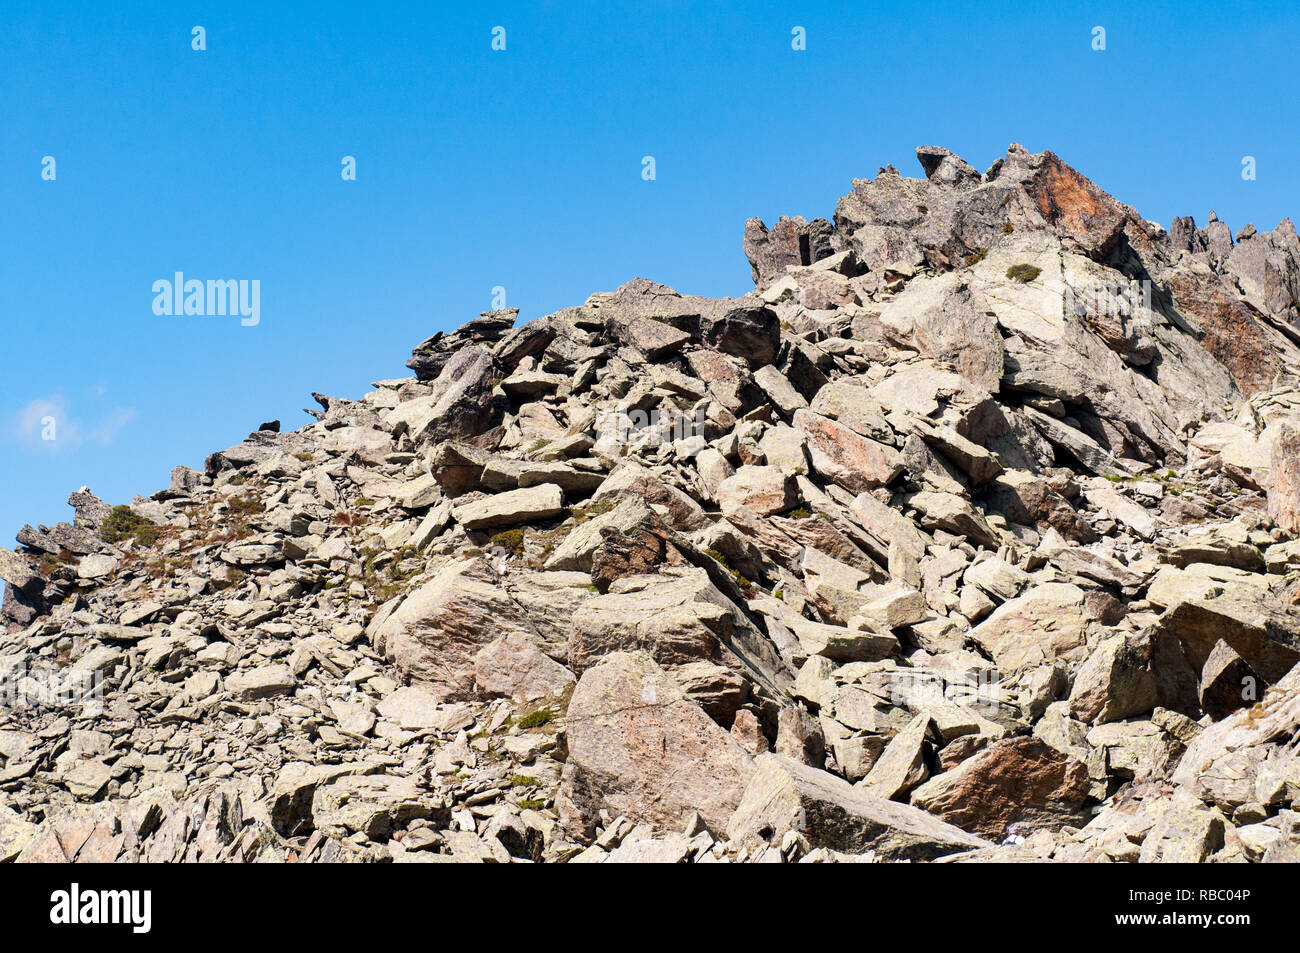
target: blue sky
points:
(520, 169)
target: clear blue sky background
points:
(518, 168)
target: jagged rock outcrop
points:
(970, 533)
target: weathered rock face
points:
(1229, 329)
(1049, 622)
(1284, 490)
(975, 520)
(955, 211)
(17, 572)
(639, 748)
(848, 459)
(1115, 682)
(15, 834)
(791, 241)
(944, 320)
(678, 619)
(510, 509)
(641, 549)
(437, 632)
(263, 682)
(515, 667)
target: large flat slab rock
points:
(785, 795)
(528, 505)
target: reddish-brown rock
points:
(1284, 490)
(1018, 781)
(1229, 330)
(855, 462)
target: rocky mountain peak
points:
(971, 532)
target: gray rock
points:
(761, 490)
(529, 505)
(779, 389)
(15, 834)
(266, 681)
(785, 796)
(901, 766)
(96, 566)
(18, 572)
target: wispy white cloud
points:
(49, 425)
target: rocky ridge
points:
(971, 533)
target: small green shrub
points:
(249, 505)
(1008, 228)
(536, 719)
(974, 258)
(1024, 273)
(511, 540)
(581, 514)
(123, 523)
